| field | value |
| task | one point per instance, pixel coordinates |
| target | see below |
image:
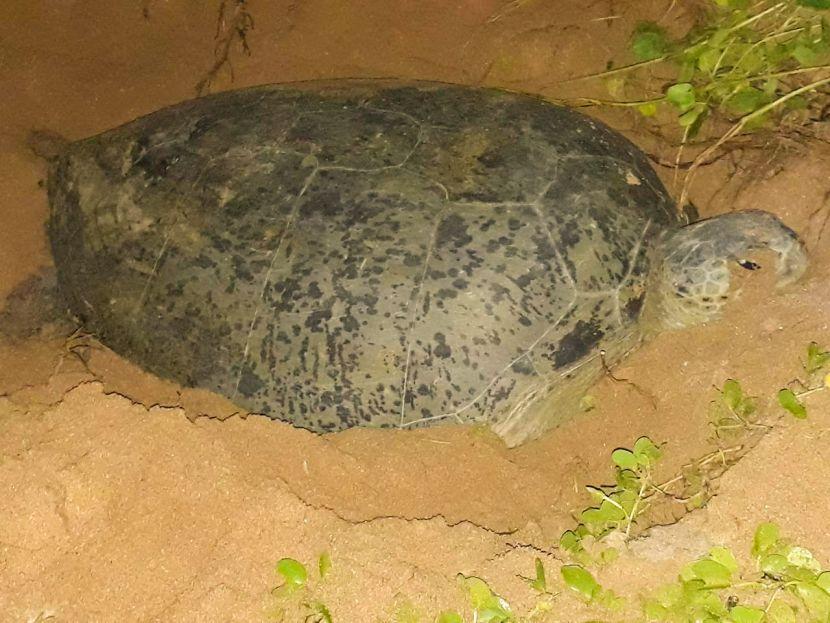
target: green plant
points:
(579, 579)
(733, 411)
(294, 590)
(742, 61)
(616, 507)
(294, 576)
(816, 361)
(487, 606)
(788, 586)
(538, 583)
(695, 596)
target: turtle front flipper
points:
(693, 277)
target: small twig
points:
(648, 396)
(228, 30)
(618, 70)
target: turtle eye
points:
(748, 265)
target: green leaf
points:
(788, 400)
(489, 607)
(713, 573)
(580, 580)
(646, 451)
(754, 124)
(814, 4)
(770, 87)
(774, 565)
(681, 95)
(690, 117)
(766, 537)
(449, 616)
(294, 572)
(494, 613)
(608, 555)
(746, 101)
(649, 41)
(648, 110)
(817, 358)
(805, 55)
(624, 459)
(687, 71)
(780, 612)
(477, 591)
(607, 512)
(723, 556)
(708, 60)
(823, 581)
(570, 541)
(609, 600)
(746, 614)
(694, 127)
(720, 36)
(597, 494)
(803, 558)
(815, 598)
(540, 583)
(324, 564)
(732, 394)
(654, 611)
(628, 480)
(796, 103)
(752, 59)
(801, 574)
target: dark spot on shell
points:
(442, 349)
(453, 230)
(578, 343)
(249, 383)
(634, 306)
(523, 366)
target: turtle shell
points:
(363, 253)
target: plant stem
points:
(618, 70)
(590, 101)
(810, 391)
(633, 515)
(755, 18)
(776, 74)
(772, 599)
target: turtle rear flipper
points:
(34, 307)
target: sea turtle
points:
(389, 254)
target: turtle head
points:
(694, 273)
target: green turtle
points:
(370, 253)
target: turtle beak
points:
(792, 263)
(761, 230)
